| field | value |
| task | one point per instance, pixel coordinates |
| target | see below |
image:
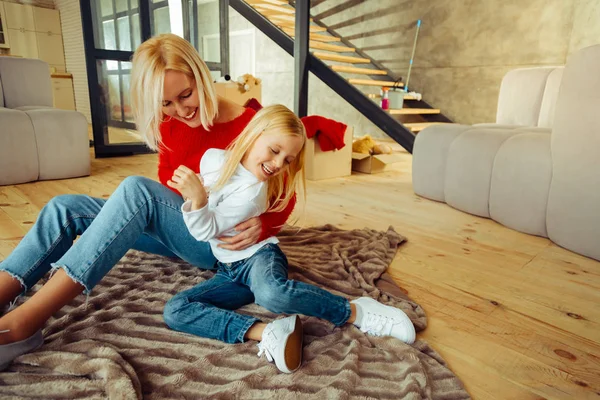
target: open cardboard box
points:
(372, 164)
(231, 91)
(320, 164)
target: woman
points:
(180, 115)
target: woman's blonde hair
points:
(272, 120)
(150, 62)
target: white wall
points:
(70, 19)
(276, 69)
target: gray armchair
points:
(37, 142)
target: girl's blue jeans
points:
(141, 214)
(206, 309)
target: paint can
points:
(396, 98)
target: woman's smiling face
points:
(180, 98)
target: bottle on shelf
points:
(385, 102)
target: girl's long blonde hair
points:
(272, 120)
(150, 62)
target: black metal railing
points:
(347, 91)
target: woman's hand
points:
(190, 186)
(249, 233)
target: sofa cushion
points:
(63, 143)
(429, 159)
(521, 181)
(18, 148)
(550, 98)
(521, 95)
(29, 108)
(469, 169)
(574, 201)
(25, 82)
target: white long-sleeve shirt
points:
(244, 196)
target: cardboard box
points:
(231, 90)
(369, 164)
(320, 164)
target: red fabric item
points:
(183, 145)
(329, 133)
(253, 104)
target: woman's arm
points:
(205, 223)
(272, 222)
(165, 167)
(165, 170)
(258, 228)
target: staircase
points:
(342, 66)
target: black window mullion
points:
(114, 18)
(185, 14)
(145, 19)
(121, 96)
(196, 43)
(131, 33)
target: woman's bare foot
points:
(12, 330)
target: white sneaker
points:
(380, 320)
(282, 342)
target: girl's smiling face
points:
(271, 154)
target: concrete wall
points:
(465, 47)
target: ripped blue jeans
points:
(206, 309)
(141, 214)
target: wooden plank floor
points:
(515, 316)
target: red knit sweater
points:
(183, 145)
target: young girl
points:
(264, 163)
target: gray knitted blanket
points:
(118, 347)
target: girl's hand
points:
(249, 232)
(190, 186)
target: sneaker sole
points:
(293, 347)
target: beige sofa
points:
(536, 169)
(37, 142)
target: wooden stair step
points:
(354, 70)
(312, 28)
(330, 47)
(313, 36)
(413, 111)
(268, 13)
(419, 126)
(272, 2)
(368, 82)
(337, 57)
(285, 18)
(283, 10)
(377, 96)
